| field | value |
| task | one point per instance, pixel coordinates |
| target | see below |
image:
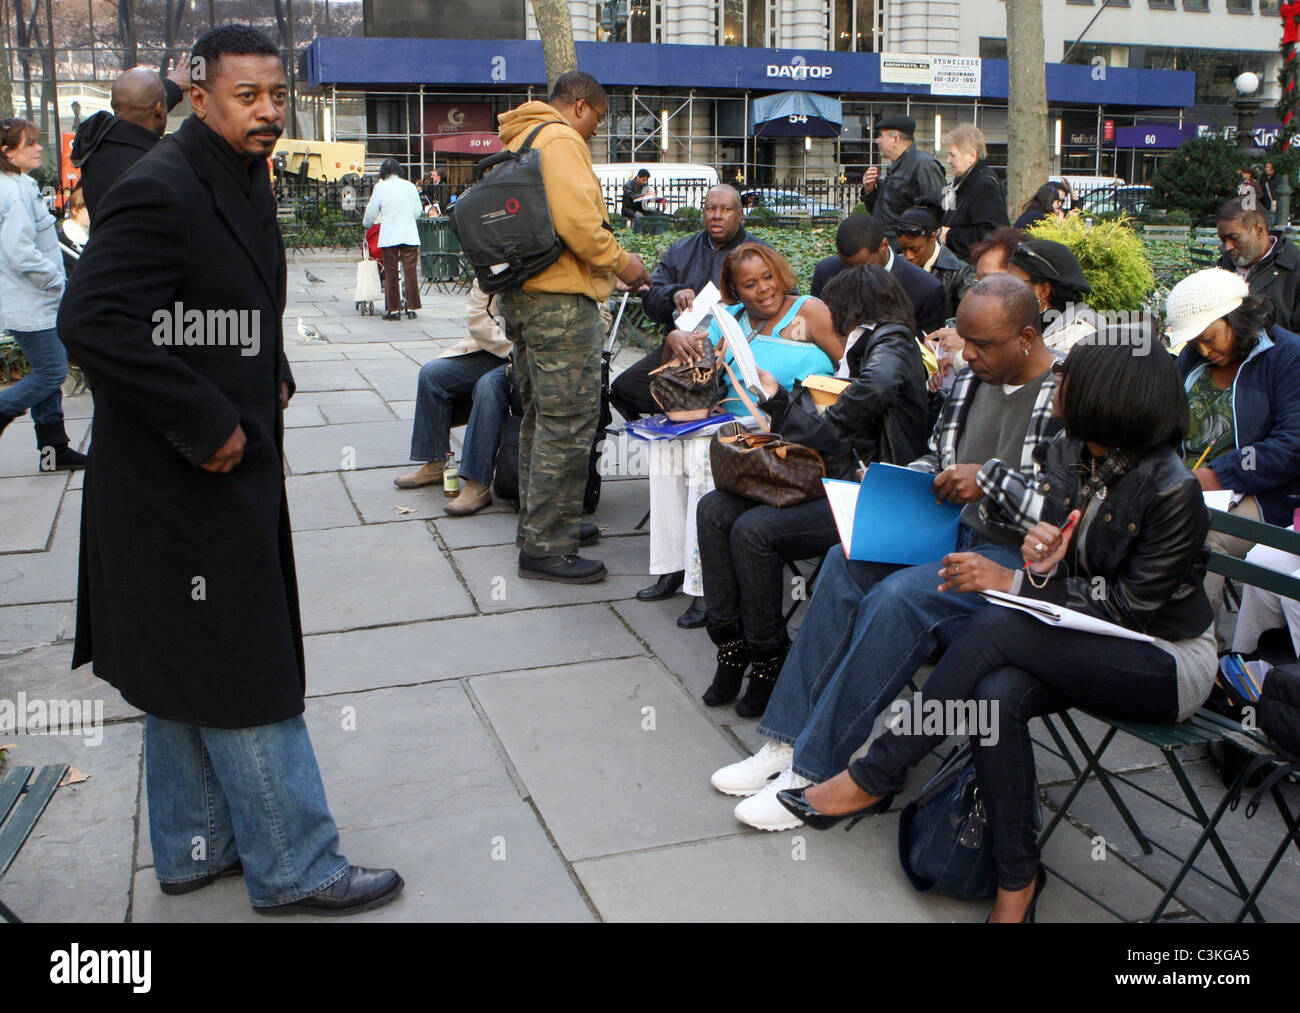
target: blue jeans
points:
(1015, 668)
(868, 628)
(441, 380)
(41, 390)
(253, 795)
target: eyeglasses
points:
(912, 231)
(1048, 270)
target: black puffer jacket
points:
(980, 209)
(881, 416)
(1276, 275)
(1143, 534)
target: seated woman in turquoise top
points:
(791, 335)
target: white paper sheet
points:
(1056, 615)
(705, 300)
(843, 499)
(742, 355)
(1221, 499)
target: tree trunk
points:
(556, 30)
(1028, 158)
(6, 81)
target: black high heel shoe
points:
(794, 800)
(1040, 881)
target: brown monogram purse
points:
(688, 392)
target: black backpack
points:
(503, 220)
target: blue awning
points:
(795, 114)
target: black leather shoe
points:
(794, 800)
(176, 889)
(562, 569)
(588, 533)
(665, 587)
(360, 890)
(695, 616)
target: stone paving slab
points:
(369, 412)
(492, 576)
(28, 506)
(350, 578)
(403, 409)
(37, 577)
(24, 626)
(323, 398)
(296, 416)
(18, 452)
(45, 673)
(342, 375)
(310, 352)
(601, 781)
(622, 505)
(76, 866)
(67, 528)
(319, 501)
(395, 380)
(375, 445)
(379, 499)
(457, 648)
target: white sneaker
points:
(749, 776)
(764, 811)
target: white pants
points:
(1264, 610)
(680, 476)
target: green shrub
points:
(859, 209)
(761, 217)
(687, 219)
(1200, 176)
(1112, 257)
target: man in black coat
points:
(911, 173)
(1268, 261)
(687, 266)
(107, 144)
(187, 598)
(860, 240)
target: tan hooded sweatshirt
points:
(592, 256)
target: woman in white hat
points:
(1242, 377)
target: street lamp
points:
(1247, 84)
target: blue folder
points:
(892, 517)
(658, 427)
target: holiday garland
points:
(1287, 104)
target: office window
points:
(1270, 6)
(854, 26)
(732, 31)
(993, 49)
(1196, 5)
(742, 23)
(631, 20)
(1240, 6)
(1161, 5)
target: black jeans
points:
(630, 391)
(1019, 668)
(743, 549)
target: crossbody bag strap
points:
(742, 392)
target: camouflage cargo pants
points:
(557, 341)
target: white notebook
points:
(1069, 619)
(708, 297)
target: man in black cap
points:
(911, 173)
(1267, 260)
(634, 195)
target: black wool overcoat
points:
(187, 599)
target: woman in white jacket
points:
(31, 285)
(395, 203)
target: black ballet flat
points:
(794, 800)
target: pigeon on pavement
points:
(313, 278)
(307, 332)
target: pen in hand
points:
(1064, 531)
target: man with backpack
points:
(554, 321)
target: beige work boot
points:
(473, 498)
(428, 474)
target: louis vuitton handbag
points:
(764, 467)
(688, 391)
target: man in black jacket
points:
(911, 173)
(106, 145)
(1269, 262)
(687, 266)
(187, 599)
(861, 240)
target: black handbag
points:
(1278, 709)
(944, 841)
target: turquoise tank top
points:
(787, 360)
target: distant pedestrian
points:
(107, 144)
(1048, 201)
(395, 204)
(31, 284)
(973, 204)
(74, 230)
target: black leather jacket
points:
(1138, 557)
(911, 174)
(881, 416)
(956, 276)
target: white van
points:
(681, 184)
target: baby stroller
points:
(370, 273)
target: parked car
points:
(1129, 200)
(787, 202)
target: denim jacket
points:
(31, 267)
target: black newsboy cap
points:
(903, 124)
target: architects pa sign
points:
(943, 75)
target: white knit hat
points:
(1199, 300)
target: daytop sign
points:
(798, 69)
